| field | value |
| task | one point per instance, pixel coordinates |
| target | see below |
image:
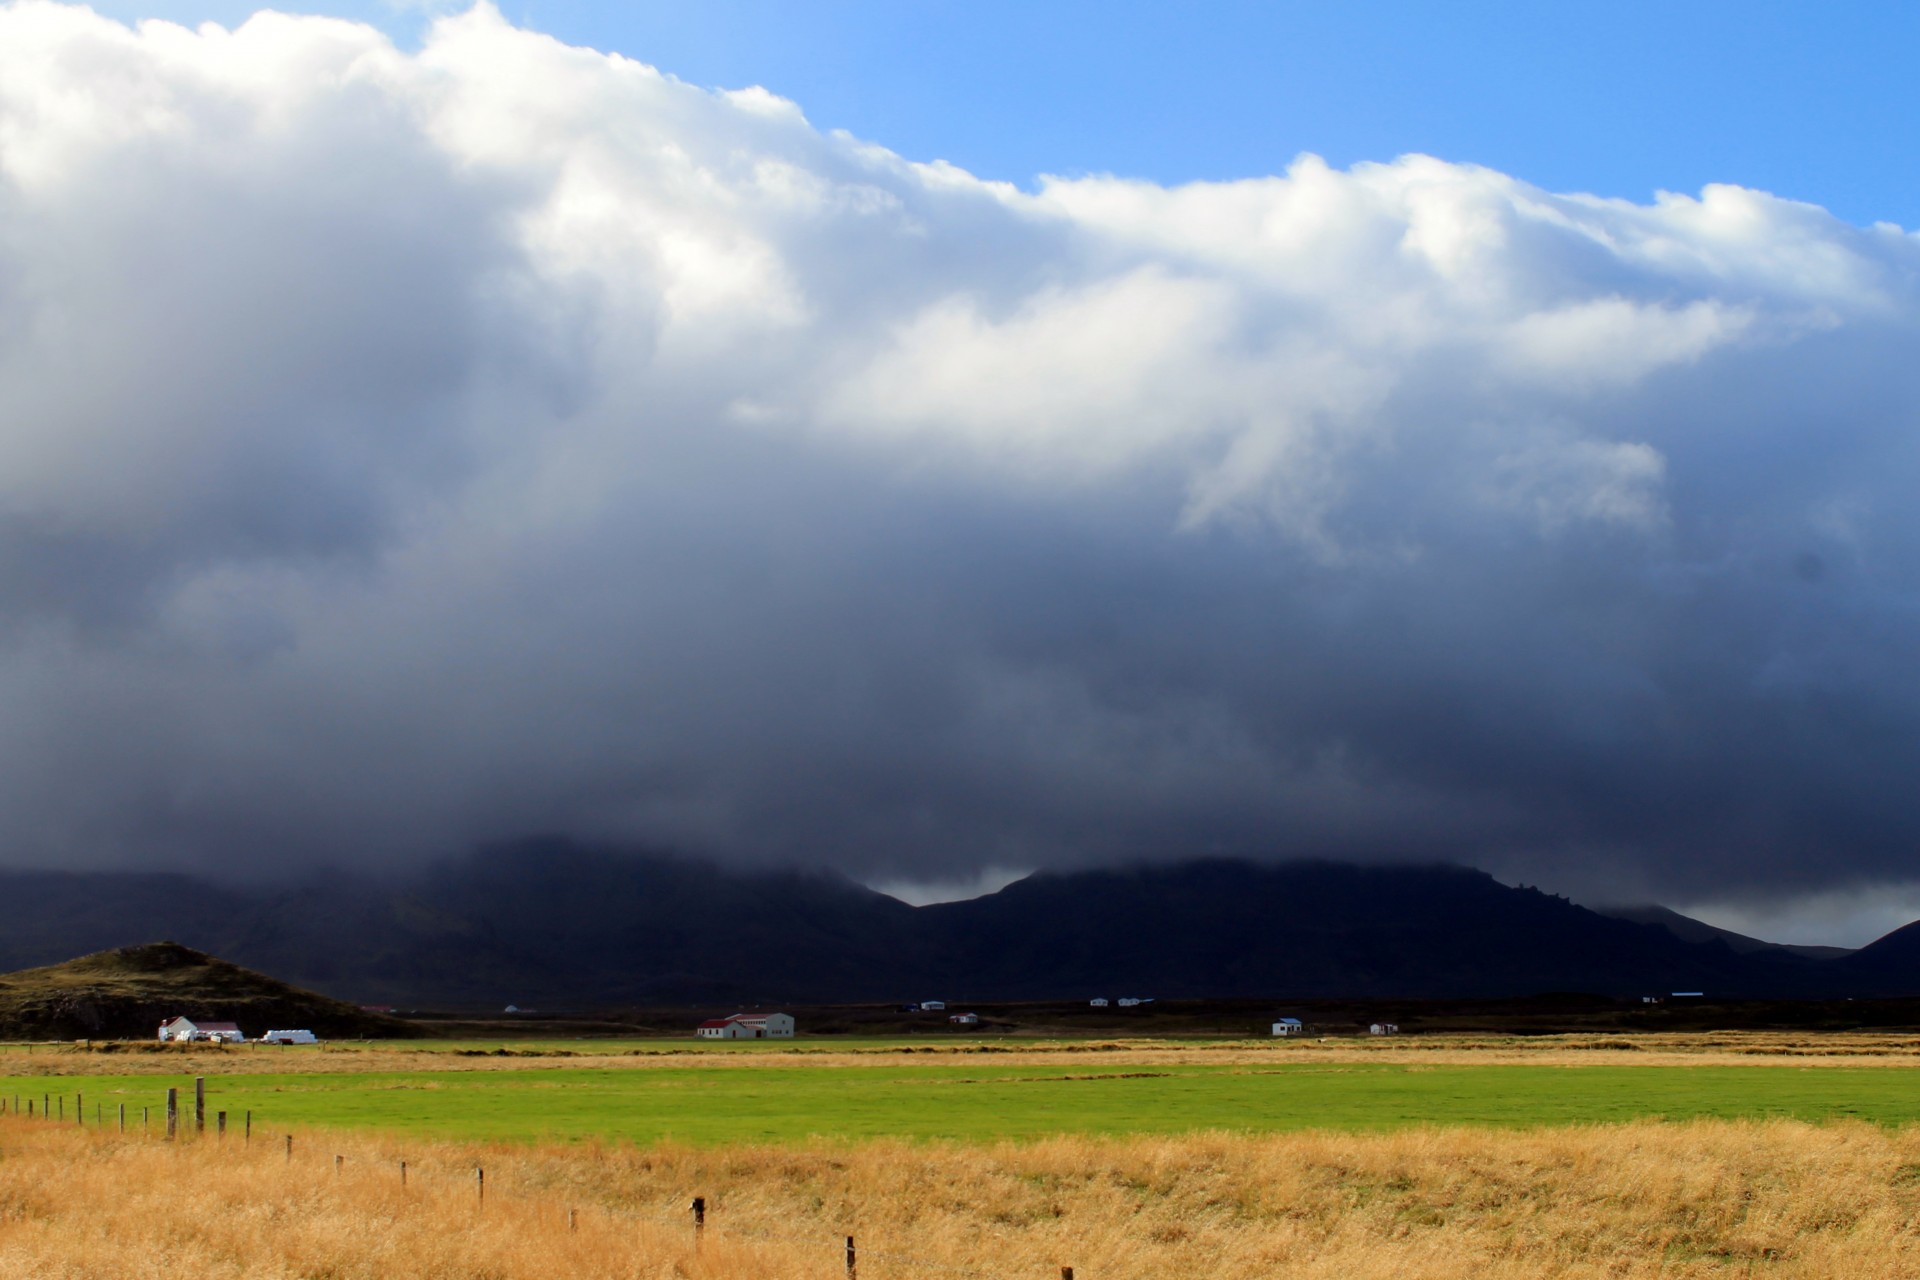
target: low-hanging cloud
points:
(404, 450)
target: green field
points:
(709, 1104)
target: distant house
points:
(289, 1037)
(1384, 1029)
(748, 1026)
(933, 1004)
(1098, 1002)
(1288, 1027)
(181, 1030)
(964, 1019)
(1127, 1002)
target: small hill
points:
(126, 993)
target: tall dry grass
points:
(1771, 1198)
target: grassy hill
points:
(126, 993)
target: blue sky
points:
(1807, 101)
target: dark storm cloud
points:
(402, 451)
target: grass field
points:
(786, 1096)
(1471, 1158)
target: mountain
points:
(550, 923)
(1688, 929)
(126, 993)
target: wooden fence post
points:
(853, 1262)
(403, 1173)
(199, 1104)
(220, 1124)
(79, 1108)
(123, 1117)
(337, 1162)
(1066, 1273)
(289, 1148)
(479, 1187)
(699, 1220)
(573, 1219)
(173, 1112)
(249, 1133)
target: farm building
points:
(1288, 1027)
(1384, 1029)
(289, 1037)
(964, 1019)
(749, 1026)
(933, 1004)
(181, 1030)
(1098, 1002)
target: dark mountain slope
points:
(1687, 929)
(1230, 928)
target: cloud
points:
(402, 450)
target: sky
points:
(935, 444)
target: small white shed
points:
(964, 1019)
(1384, 1029)
(1288, 1027)
(1098, 1002)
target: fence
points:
(52, 1105)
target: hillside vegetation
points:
(126, 993)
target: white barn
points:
(1288, 1027)
(749, 1026)
(1384, 1029)
(183, 1030)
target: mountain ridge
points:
(561, 924)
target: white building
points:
(933, 1004)
(181, 1030)
(1288, 1027)
(749, 1026)
(964, 1019)
(1384, 1029)
(1098, 1002)
(289, 1037)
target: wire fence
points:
(52, 1107)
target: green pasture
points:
(751, 1102)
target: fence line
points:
(698, 1206)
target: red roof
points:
(716, 1022)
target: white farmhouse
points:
(1288, 1027)
(749, 1026)
(964, 1019)
(182, 1030)
(1098, 1002)
(933, 1004)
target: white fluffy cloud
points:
(402, 450)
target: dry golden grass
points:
(1774, 1198)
